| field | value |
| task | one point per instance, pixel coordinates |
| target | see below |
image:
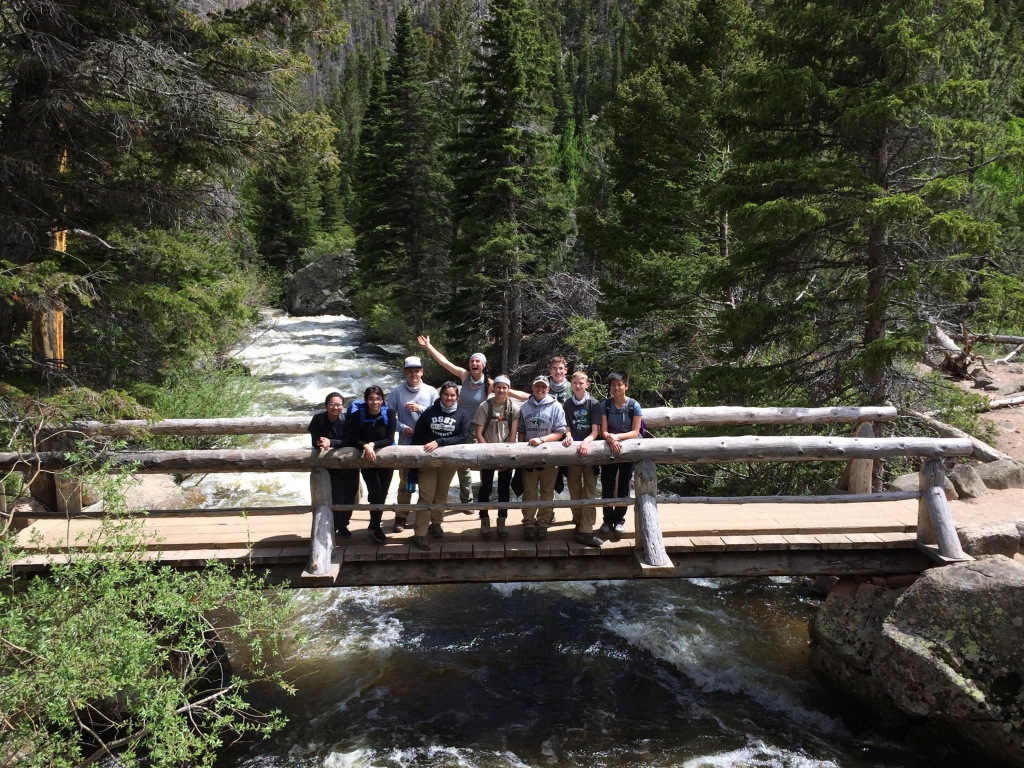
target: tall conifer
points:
(507, 206)
(401, 243)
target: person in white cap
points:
(407, 401)
(541, 420)
(473, 392)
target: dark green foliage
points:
(402, 238)
(507, 210)
(856, 137)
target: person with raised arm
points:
(541, 420)
(408, 401)
(620, 421)
(473, 391)
(327, 430)
(444, 423)
(583, 418)
(496, 421)
(371, 427)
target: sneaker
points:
(422, 543)
(502, 533)
(530, 533)
(377, 534)
(606, 529)
(542, 531)
(436, 531)
(588, 539)
(399, 525)
(485, 527)
(617, 528)
(344, 533)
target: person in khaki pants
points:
(443, 423)
(583, 419)
(541, 420)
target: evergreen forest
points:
(763, 202)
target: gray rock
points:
(1007, 426)
(952, 650)
(1010, 389)
(990, 539)
(981, 379)
(1020, 528)
(967, 481)
(910, 483)
(321, 288)
(1002, 474)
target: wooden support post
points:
(655, 560)
(3, 501)
(320, 570)
(941, 517)
(68, 492)
(932, 475)
(43, 488)
(861, 470)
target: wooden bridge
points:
(850, 532)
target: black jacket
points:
(445, 428)
(333, 431)
(374, 430)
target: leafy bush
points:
(116, 655)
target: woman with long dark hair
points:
(327, 430)
(370, 427)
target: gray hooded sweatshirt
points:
(541, 419)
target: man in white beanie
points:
(407, 401)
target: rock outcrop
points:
(947, 650)
(1003, 474)
(321, 288)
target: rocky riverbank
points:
(947, 650)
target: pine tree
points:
(507, 205)
(857, 140)
(402, 242)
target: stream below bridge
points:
(702, 673)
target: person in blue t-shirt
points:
(620, 421)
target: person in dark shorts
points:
(496, 421)
(327, 430)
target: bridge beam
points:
(655, 560)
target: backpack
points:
(360, 405)
(631, 410)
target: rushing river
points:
(698, 674)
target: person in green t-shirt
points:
(496, 421)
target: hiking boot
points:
(542, 531)
(344, 533)
(399, 525)
(619, 528)
(422, 543)
(530, 533)
(588, 539)
(606, 529)
(377, 534)
(502, 533)
(485, 526)
(436, 531)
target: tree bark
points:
(877, 301)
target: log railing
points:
(936, 534)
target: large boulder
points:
(967, 481)
(321, 288)
(946, 651)
(1002, 474)
(1001, 538)
(952, 649)
(911, 482)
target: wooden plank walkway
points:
(757, 537)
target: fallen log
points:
(703, 450)
(982, 450)
(993, 404)
(655, 418)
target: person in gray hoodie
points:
(407, 401)
(541, 420)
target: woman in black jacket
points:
(370, 427)
(443, 423)
(327, 430)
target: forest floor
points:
(1009, 422)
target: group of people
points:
(476, 408)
